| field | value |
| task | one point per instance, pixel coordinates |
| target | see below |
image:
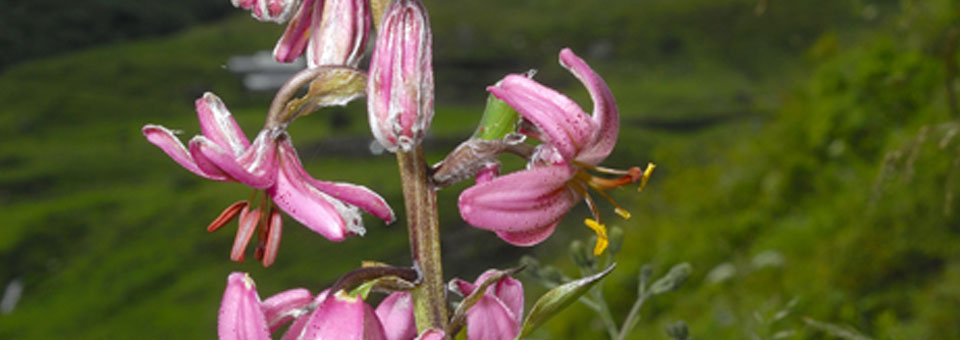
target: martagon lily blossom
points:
(271, 166)
(524, 207)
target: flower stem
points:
(420, 200)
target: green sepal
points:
(499, 119)
(557, 299)
(363, 290)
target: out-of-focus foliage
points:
(38, 28)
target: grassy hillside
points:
(806, 150)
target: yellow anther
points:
(623, 213)
(646, 176)
(601, 231)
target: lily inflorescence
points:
(561, 144)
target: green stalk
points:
(420, 200)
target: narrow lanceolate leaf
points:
(499, 119)
(557, 299)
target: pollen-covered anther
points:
(227, 215)
(602, 240)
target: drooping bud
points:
(400, 85)
(333, 33)
(343, 317)
(341, 35)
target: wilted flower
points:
(498, 314)
(269, 165)
(523, 208)
(400, 84)
(333, 32)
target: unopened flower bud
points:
(400, 85)
(645, 273)
(673, 280)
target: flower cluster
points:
(523, 207)
(340, 315)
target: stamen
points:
(602, 169)
(602, 240)
(601, 183)
(248, 225)
(646, 176)
(619, 209)
(227, 215)
(275, 229)
(589, 200)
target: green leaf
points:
(499, 119)
(557, 299)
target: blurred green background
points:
(807, 151)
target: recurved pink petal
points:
(218, 125)
(340, 33)
(490, 319)
(529, 237)
(166, 141)
(520, 201)
(285, 306)
(343, 318)
(606, 117)
(310, 206)
(204, 163)
(562, 123)
(396, 316)
(295, 38)
(244, 4)
(365, 199)
(255, 168)
(240, 315)
(308, 201)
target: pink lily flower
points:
(271, 166)
(333, 32)
(498, 315)
(524, 207)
